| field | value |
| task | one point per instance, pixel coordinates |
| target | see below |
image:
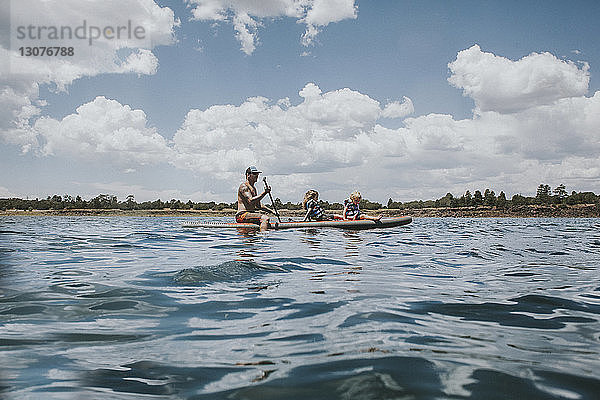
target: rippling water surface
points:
(123, 308)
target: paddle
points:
(272, 202)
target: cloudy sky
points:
(401, 99)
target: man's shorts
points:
(248, 218)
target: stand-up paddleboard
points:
(343, 224)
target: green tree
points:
(468, 199)
(296, 206)
(130, 202)
(518, 200)
(369, 205)
(278, 203)
(79, 202)
(543, 194)
(175, 204)
(583, 198)
(489, 197)
(103, 201)
(55, 202)
(205, 206)
(394, 204)
(157, 205)
(560, 192)
(221, 206)
(501, 200)
(478, 198)
(445, 201)
(336, 206)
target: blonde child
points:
(313, 209)
(352, 208)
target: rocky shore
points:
(529, 211)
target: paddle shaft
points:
(272, 202)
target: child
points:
(352, 209)
(313, 209)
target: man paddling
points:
(249, 206)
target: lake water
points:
(125, 307)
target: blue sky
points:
(519, 108)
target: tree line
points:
(106, 201)
(544, 196)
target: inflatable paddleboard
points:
(343, 224)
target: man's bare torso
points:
(245, 192)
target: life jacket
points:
(316, 212)
(352, 209)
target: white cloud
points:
(324, 12)
(103, 55)
(326, 131)
(435, 132)
(247, 16)
(21, 77)
(569, 127)
(499, 84)
(141, 61)
(245, 31)
(103, 129)
(397, 109)
(17, 107)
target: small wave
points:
(486, 384)
(11, 232)
(224, 272)
(305, 260)
(24, 310)
(521, 274)
(101, 338)
(375, 378)
(115, 305)
(529, 311)
(376, 316)
(470, 253)
(153, 379)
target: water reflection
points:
(311, 238)
(352, 242)
(249, 238)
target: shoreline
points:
(529, 211)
